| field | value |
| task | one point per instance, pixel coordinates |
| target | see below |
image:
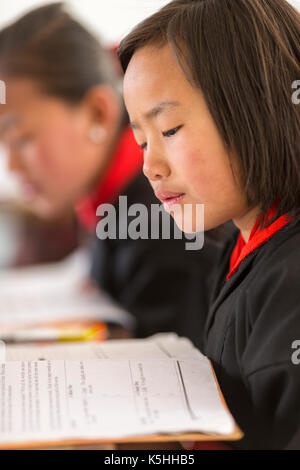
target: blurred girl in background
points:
(67, 137)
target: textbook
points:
(157, 389)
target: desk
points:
(127, 446)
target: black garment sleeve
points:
(271, 376)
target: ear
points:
(103, 106)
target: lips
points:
(169, 198)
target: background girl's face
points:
(49, 146)
(184, 157)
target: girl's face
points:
(49, 146)
(184, 157)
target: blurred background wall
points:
(112, 18)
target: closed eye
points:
(171, 132)
(168, 133)
(22, 141)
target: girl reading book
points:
(210, 87)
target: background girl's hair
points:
(52, 48)
(244, 55)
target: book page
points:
(53, 292)
(160, 346)
(100, 398)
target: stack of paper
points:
(38, 295)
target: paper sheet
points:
(160, 346)
(52, 292)
(161, 384)
(100, 398)
(2, 351)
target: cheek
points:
(204, 163)
(196, 170)
(207, 173)
(58, 151)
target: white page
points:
(159, 346)
(53, 292)
(99, 398)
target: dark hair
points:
(52, 48)
(244, 55)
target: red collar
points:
(257, 237)
(125, 165)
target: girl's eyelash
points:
(168, 133)
(171, 132)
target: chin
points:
(190, 219)
(46, 209)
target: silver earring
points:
(97, 134)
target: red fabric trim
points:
(256, 239)
(125, 165)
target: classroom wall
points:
(112, 18)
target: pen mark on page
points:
(66, 391)
(133, 389)
(193, 416)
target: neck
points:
(246, 222)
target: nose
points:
(155, 166)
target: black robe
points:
(249, 335)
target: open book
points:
(160, 388)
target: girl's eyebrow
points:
(156, 110)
